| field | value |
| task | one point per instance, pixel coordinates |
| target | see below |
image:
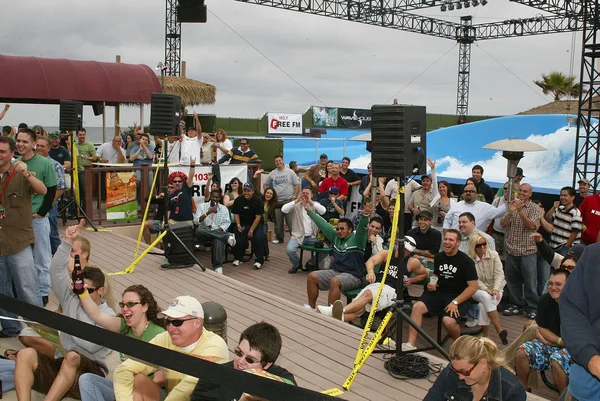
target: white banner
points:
(280, 123)
(201, 176)
(355, 204)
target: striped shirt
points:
(518, 237)
(565, 222)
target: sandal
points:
(11, 354)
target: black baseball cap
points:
(323, 156)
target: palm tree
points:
(559, 85)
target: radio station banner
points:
(121, 204)
(201, 177)
(354, 118)
(355, 203)
(280, 123)
(326, 117)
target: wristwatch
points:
(454, 302)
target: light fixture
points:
(484, 2)
(458, 5)
(450, 7)
(467, 4)
(443, 7)
(513, 150)
(475, 3)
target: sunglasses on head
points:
(179, 322)
(465, 373)
(481, 245)
(249, 360)
(129, 304)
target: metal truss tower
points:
(172, 40)
(586, 145)
(465, 39)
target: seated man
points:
(257, 350)
(406, 265)
(547, 350)
(429, 241)
(456, 278)
(304, 230)
(347, 267)
(58, 377)
(334, 208)
(213, 221)
(248, 211)
(185, 333)
(374, 238)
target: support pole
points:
(465, 38)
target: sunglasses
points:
(179, 322)
(177, 181)
(170, 186)
(480, 245)
(469, 192)
(249, 360)
(340, 229)
(465, 373)
(243, 144)
(129, 304)
(91, 290)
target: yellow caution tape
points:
(334, 392)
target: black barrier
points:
(212, 372)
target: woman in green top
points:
(138, 319)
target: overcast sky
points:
(339, 63)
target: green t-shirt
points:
(151, 331)
(42, 169)
(87, 148)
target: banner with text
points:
(201, 177)
(121, 204)
(354, 118)
(355, 203)
(280, 123)
(325, 117)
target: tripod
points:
(72, 202)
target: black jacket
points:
(206, 391)
(504, 386)
(486, 191)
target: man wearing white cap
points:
(583, 191)
(185, 333)
(406, 265)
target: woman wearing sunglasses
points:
(476, 372)
(138, 319)
(491, 283)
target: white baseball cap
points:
(184, 306)
(409, 243)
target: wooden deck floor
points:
(318, 350)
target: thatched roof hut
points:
(192, 92)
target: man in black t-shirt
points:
(180, 202)
(248, 212)
(404, 265)
(453, 282)
(428, 239)
(547, 350)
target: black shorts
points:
(436, 302)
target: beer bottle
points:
(77, 277)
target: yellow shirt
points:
(179, 386)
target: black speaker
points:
(191, 14)
(71, 115)
(98, 109)
(164, 114)
(174, 252)
(398, 140)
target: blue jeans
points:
(96, 388)
(54, 236)
(42, 253)
(521, 279)
(18, 268)
(7, 374)
(292, 249)
(543, 274)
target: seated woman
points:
(476, 373)
(491, 283)
(138, 319)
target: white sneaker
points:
(307, 306)
(325, 310)
(275, 241)
(236, 262)
(408, 347)
(471, 322)
(231, 240)
(257, 265)
(219, 270)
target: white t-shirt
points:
(227, 145)
(106, 151)
(190, 147)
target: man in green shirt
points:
(42, 169)
(85, 153)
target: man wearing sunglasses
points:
(185, 333)
(484, 212)
(241, 155)
(256, 352)
(59, 377)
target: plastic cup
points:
(433, 280)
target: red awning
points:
(48, 80)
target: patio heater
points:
(513, 150)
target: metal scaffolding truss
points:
(465, 41)
(172, 40)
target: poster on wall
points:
(354, 118)
(355, 203)
(121, 204)
(282, 123)
(325, 117)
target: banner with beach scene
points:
(121, 204)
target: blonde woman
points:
(491, 282)
(222, 144)
(476, 372)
